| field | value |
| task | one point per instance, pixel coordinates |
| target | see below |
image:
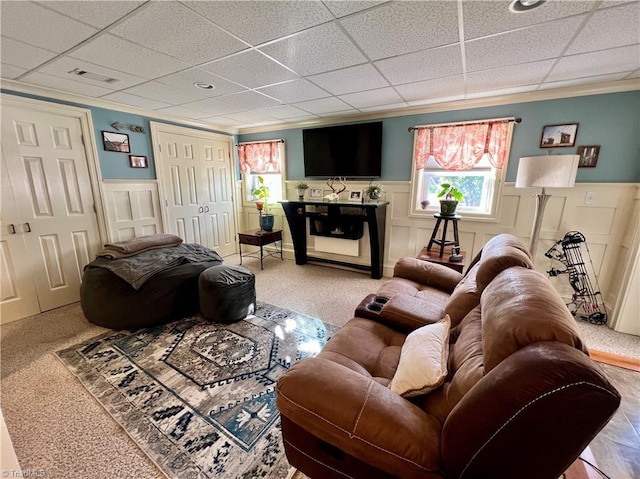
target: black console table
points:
(337, 220)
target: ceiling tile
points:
(324, 105)
(284, 112)
(430, 89)
(62, 66)
(508, 77)
(23, 55)
(349, 80)
(609, 28)
(248, 100)
(251, 117)
(583, 81)
(488, 18)
(166, 93)
(182, 111)
(44, 28)
(258, 22)
(635, 74)
(250, 68)
(394, 106)
(294, 90)
(364, 99)
(340, 8)
(317, 50)
(212, 107)
(134, 100)
(405, 27)
(10, 71)
(596, 63)
(186, 79)
(424, 65)
(121, 55)
(98, 13)
(171, 28)
(63, 84)
(515, 47)
(221, 120)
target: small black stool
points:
(442, 242)
(227, 293)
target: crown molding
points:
(539, 95)
(9, 86)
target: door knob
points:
(201, 210)
(28, 227)
(206, 209)
(12, 229)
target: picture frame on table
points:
(138, 161)
(355, 196)
(117, 142)
(315, 193)
(588, 156)
(559, 136)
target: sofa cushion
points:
(501, 252)
(464, 298)
(366, 347)
(521, 307)
(429, 274)
(423, 360)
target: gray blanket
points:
(137, 269)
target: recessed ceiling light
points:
(203, 85)
(519, 6)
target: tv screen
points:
(352, 151)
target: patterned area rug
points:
(199, 397)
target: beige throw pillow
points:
(423, 360)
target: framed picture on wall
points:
(137, 161)
(113, 141)
(555, 136)
(588, 156)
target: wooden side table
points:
(261, 238)
(434, 257)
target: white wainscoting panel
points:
(133, 209)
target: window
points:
(468, 155)
(266, 159)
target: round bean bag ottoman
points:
(227, 293)
(109, 301)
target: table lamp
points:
(551, 171)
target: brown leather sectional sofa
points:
(521, 398)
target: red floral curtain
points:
(260, 157)
(461, 147)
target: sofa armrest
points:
(360, 416)
(426, 273)
(402, 312)
(529, 417)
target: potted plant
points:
(262, 194)
(451, 197)
(301, 186)
(374, 191)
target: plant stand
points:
(442, 242)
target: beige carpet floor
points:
(59, 429)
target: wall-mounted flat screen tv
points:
(352, 151)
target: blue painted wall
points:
(114, 165)
(611, 121)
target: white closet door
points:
(47, 167)
(182, 192)
(217, 181)
(197, 184)
(18, 297)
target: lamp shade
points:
(551, 171)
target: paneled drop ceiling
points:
(273, 62)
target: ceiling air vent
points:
(93, 76)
